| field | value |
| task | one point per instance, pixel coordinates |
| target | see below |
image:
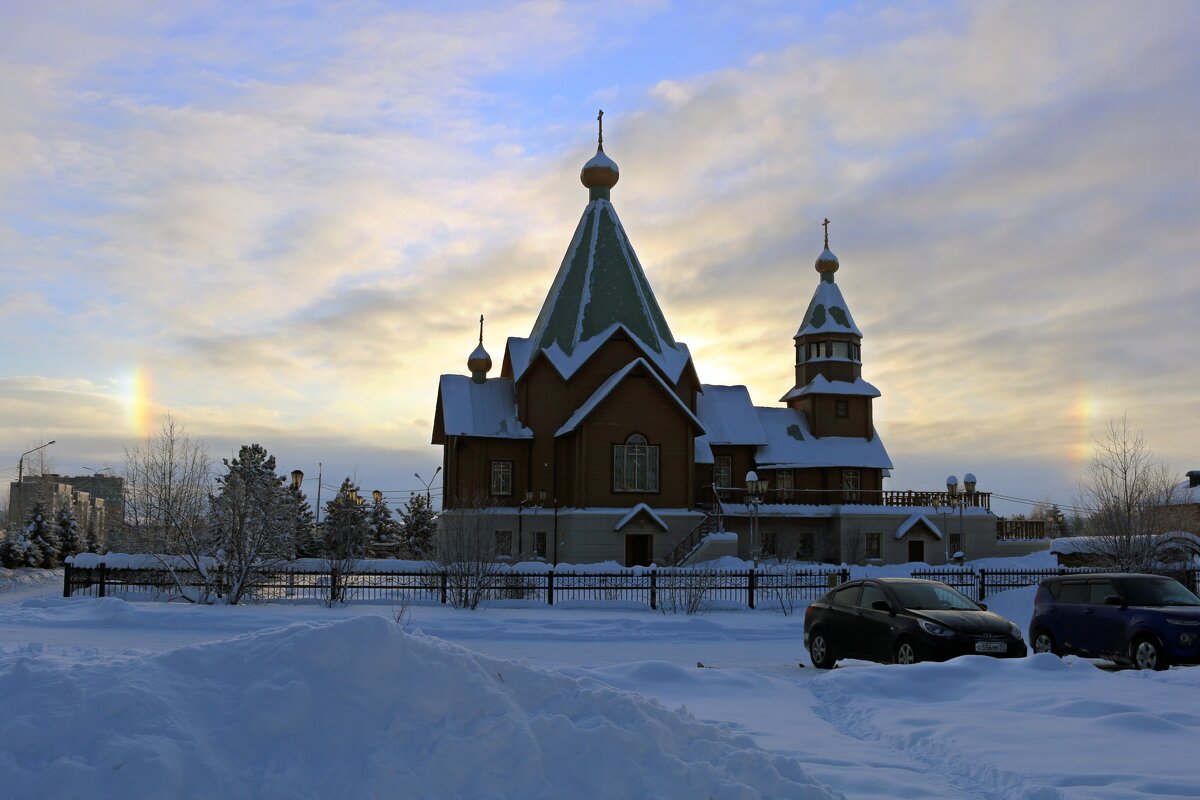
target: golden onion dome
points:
(600, 172)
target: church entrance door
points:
(639, 548)
(916, 550)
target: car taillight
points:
(808, 612)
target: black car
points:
(902, 621)
(1146, 621)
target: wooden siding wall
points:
(660, 421)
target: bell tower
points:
(829, 387)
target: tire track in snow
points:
(974, 778)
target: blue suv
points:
(1146, 621)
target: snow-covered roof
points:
(640, 508)
(827, 312)
(704, 453)
(912, 521)
(600, 285)
(1184, 494)
(522, 353)
(614, 380)
(1071, 545)
(728, 415)
(822, 385)
(790, 443)
(486, 409)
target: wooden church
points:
(598, 442)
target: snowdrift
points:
(355, 708)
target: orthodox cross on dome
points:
(825, 225)
(481, 328)
(600, 138)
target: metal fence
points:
(668, 588)
(978, 584)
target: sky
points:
(281, 221)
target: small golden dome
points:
(479, 363)
(827, 262)
(600, 172)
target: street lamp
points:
(21, 460)
(959, 501)
(297, 478)
(428, 484)
(377, 496)
(754, 492)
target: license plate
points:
(991, 647)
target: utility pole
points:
(320, 472)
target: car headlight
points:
(1015, 630)
(1189, 622)
(934, 629)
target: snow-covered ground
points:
(107, 698)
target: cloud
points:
(294, 223)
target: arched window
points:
(635, 465)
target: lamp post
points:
(754, 492)
(21, 460)
(428, 484)
(959, 501)
(297, 478)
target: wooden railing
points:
(866, 497)
(1016, 530)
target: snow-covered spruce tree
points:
(12, 551)
(167, 486)
(68, 533)
(305, 539)
(347, 531)
(385, 531)
(91, 541)
(40, 533)
(253, 519)
(418, 525)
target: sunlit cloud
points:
(286, 226)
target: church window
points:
(841, 408)
(635, 465)
(800, 351)
(841, 350)
(783, 483)
(504, 544)
(955, 543)
(851, 481)
(502, 477)
(874, 544)
(539, 544)
(856, 352)
(723, 472)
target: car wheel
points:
(1043, 642)
(821, 652)
(906, 653)
(1145, 653)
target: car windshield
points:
(1158, 592)
(932, 596)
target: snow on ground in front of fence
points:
(108, 698)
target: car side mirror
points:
(882, 605)
(1114, 600)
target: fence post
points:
(751, 585)
(445, 576)
(550, 587)
(103, 572)
(844, 574)
(653, 590)
(982, 584)
(66, 580)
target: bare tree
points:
(1128, 497)
(465, 549)
(167, 485)
(253, 519)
